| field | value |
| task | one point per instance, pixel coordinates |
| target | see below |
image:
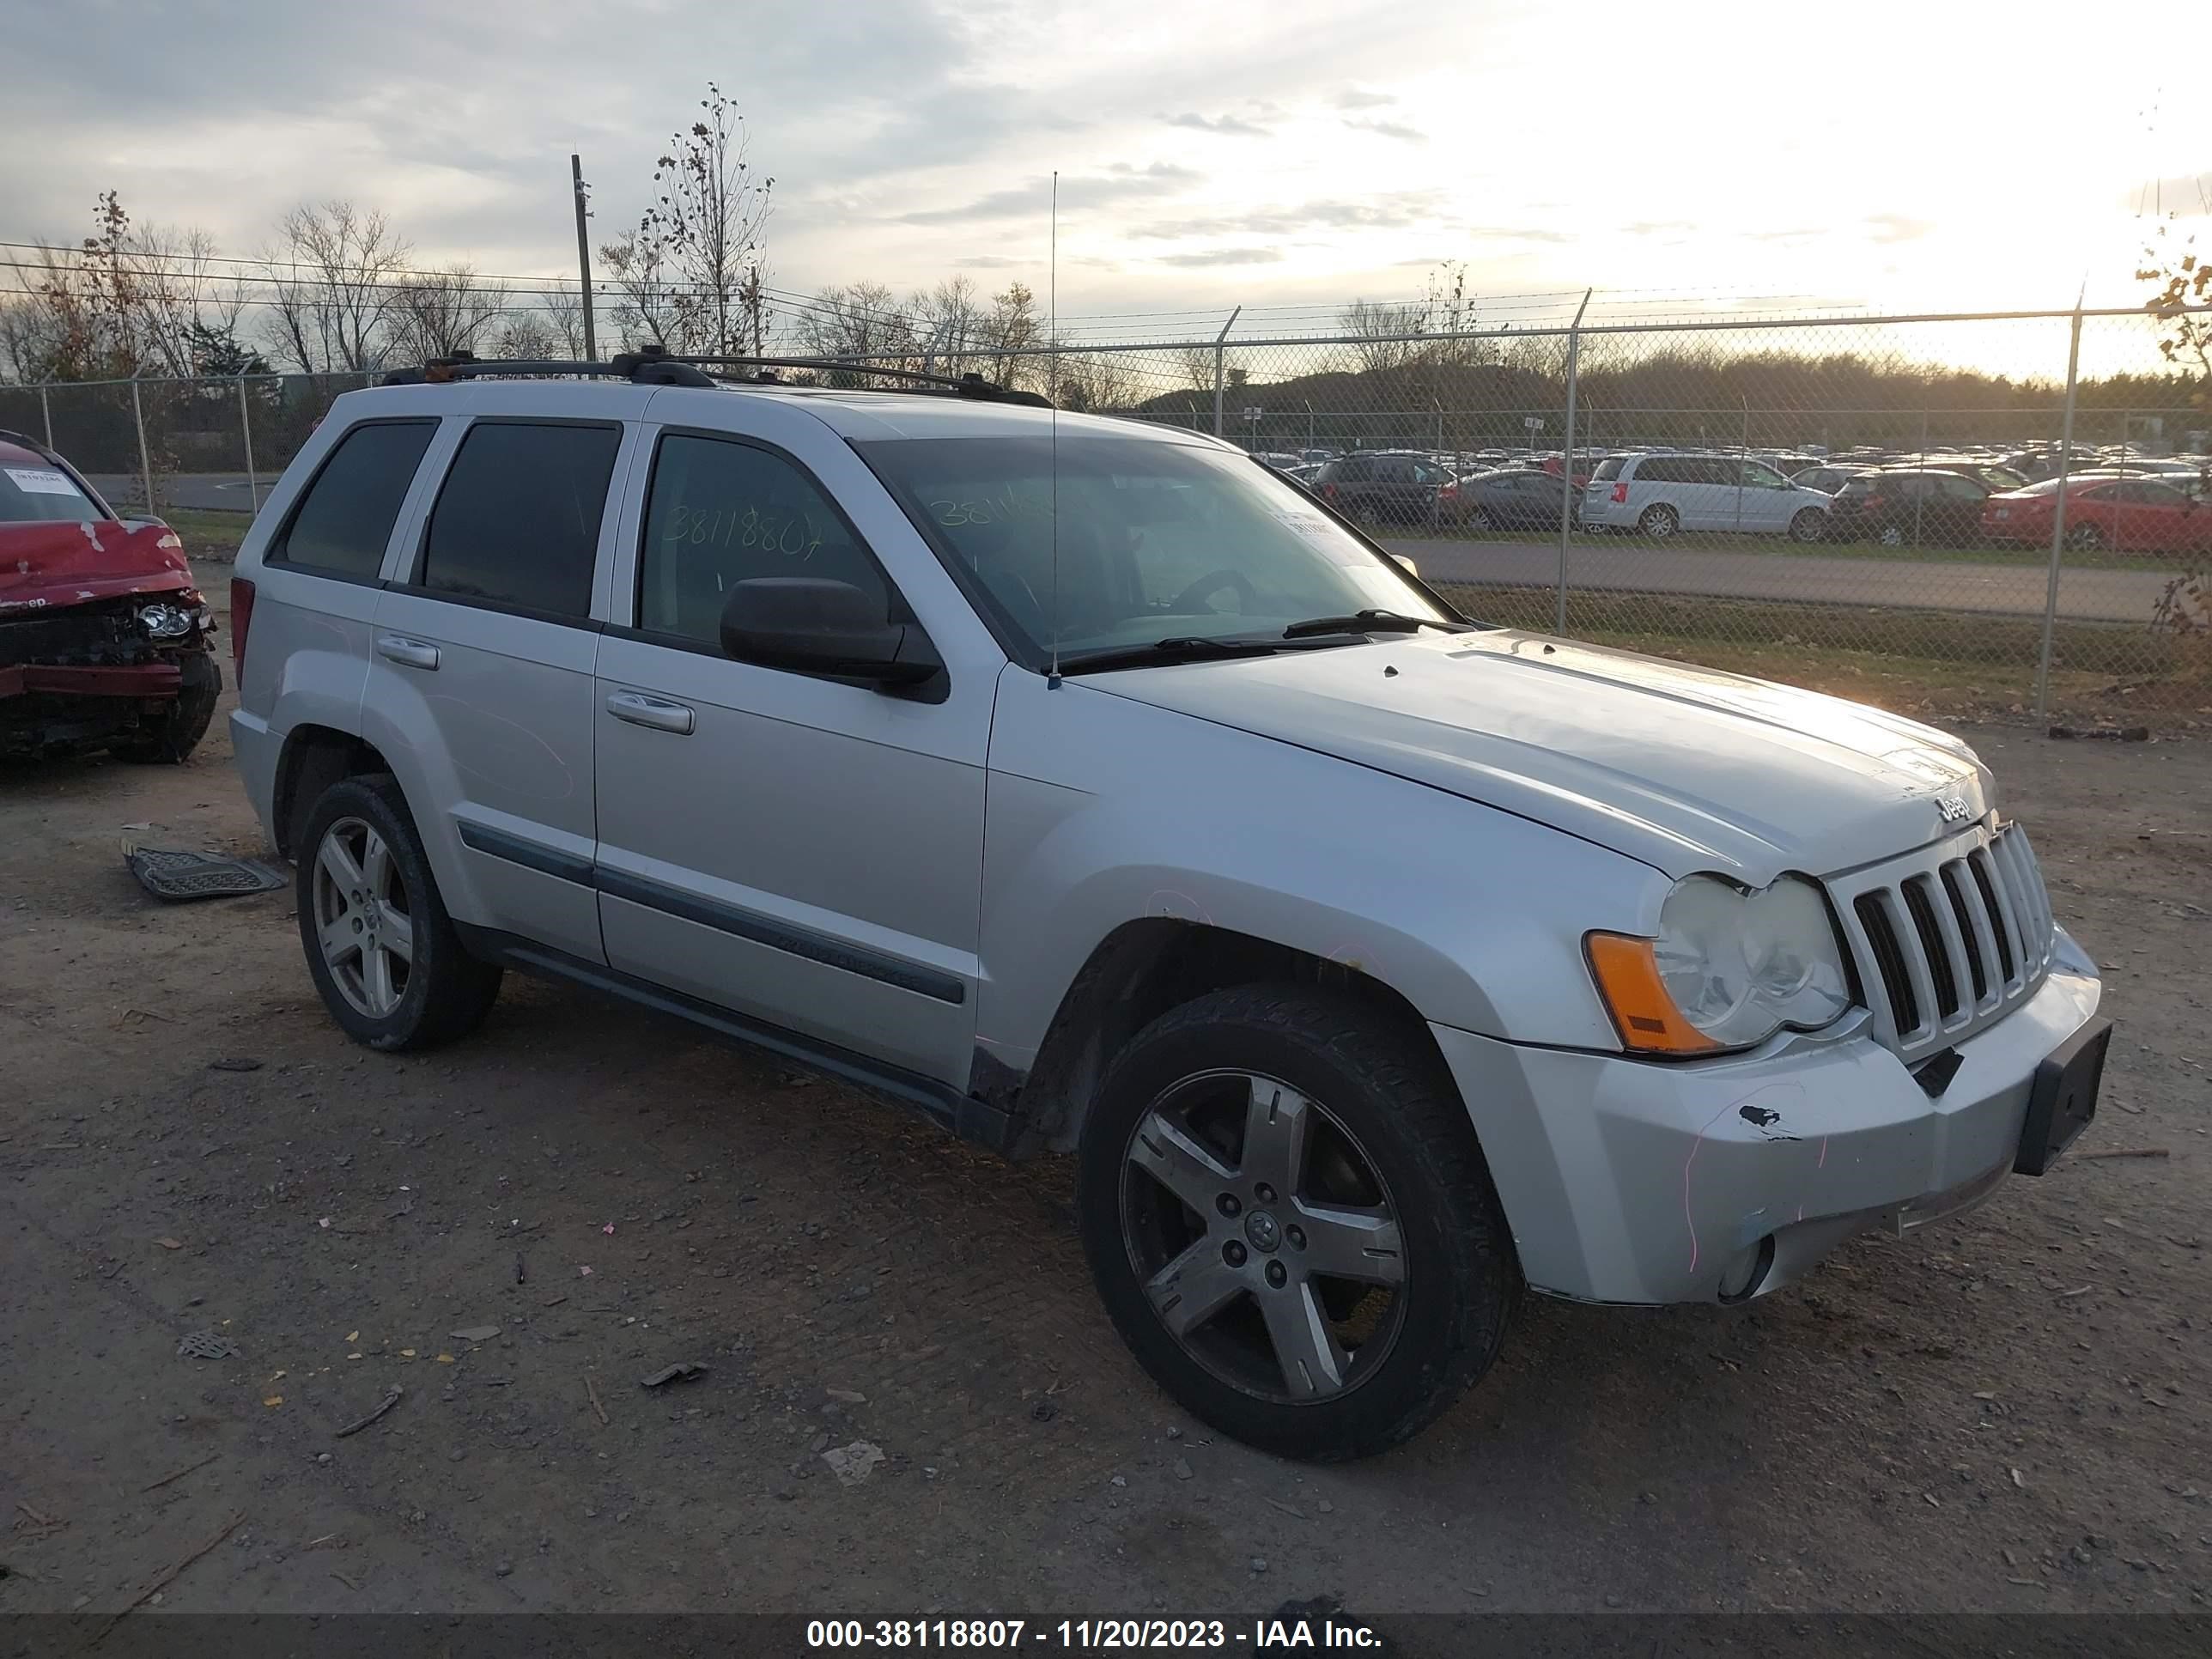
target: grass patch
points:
(209, 533)
(1917, 662)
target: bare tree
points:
(1094, 381)
(1376, 331)
(861, 319)
(708, 216)
(334, 272)
(948, 325)
(436, 314)
(563, 311)
(533, 336)
(1196, 363)
(646, 309)
(1013, 325)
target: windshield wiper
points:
(1366, 622)
(1180, 647)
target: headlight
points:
(1728, 969)
(164, 621)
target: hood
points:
(1686, 769)
(48, 565)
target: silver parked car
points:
(1025, 769)
(1660, 495)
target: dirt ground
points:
(2007, 1413)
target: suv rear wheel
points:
(1290, 1223)
(385, 955)
(1659, 522)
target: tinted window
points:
(517, 520)
(1963, 489)
(1607, 469)
(2152, 494)
(343, 521)
(1357, 470)
(722, 512)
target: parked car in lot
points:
(1826, 479)
(1902, 506)
(105, 640)
(1382, 486)
(1659, 496)
(2122, 514)
(1506, 498)
(769, 708)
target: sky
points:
(1296, 153)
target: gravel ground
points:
(2006, 1414)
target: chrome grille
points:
(1947, 938)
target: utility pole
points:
(583, 255)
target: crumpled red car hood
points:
(48, 566)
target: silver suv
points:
(1090, 788)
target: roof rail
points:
(639, 367)
(969, 385)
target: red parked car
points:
(2124, 515)
(105, 641)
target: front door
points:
(807, 852)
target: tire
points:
(1658, 522)
(1477, 519)
(169, 738)
(429, 989)
(1385, 1148)
(1810, 526)
(1891, 536)
(2084, 539)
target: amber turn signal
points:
(1627, 975)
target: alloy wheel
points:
(363, 921)
(1264, 1236)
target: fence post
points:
(1920, 488)
(2059, 520)
(46, 410)
(145, 459)
(1221, 366)
(1567, 466)
(246, 431)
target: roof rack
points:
(642, 368)
(969, 385)
(654, 364)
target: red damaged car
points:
(105, 641)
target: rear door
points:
(2153, 517)
(481, 671)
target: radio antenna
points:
(1051, 373)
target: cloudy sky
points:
(1296, 152)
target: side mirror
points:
(807, 625)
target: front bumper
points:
(147, 679)
(1631, 1181)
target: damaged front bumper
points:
(1633, 1181)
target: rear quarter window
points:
(1608, 470)
(344, 517)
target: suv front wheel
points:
(385, 955)
(1290, 1223)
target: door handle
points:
(655, 712)
(408, 654)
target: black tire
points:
(1659, 521)
(1810, 526)
(1394, 1110)
(448, 992)
(2085, 538)
(169, 738)
(1477, 519)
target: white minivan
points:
(1659, 495)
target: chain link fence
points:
(1833, 503)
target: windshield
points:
(1156, 539)
(33, 492)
